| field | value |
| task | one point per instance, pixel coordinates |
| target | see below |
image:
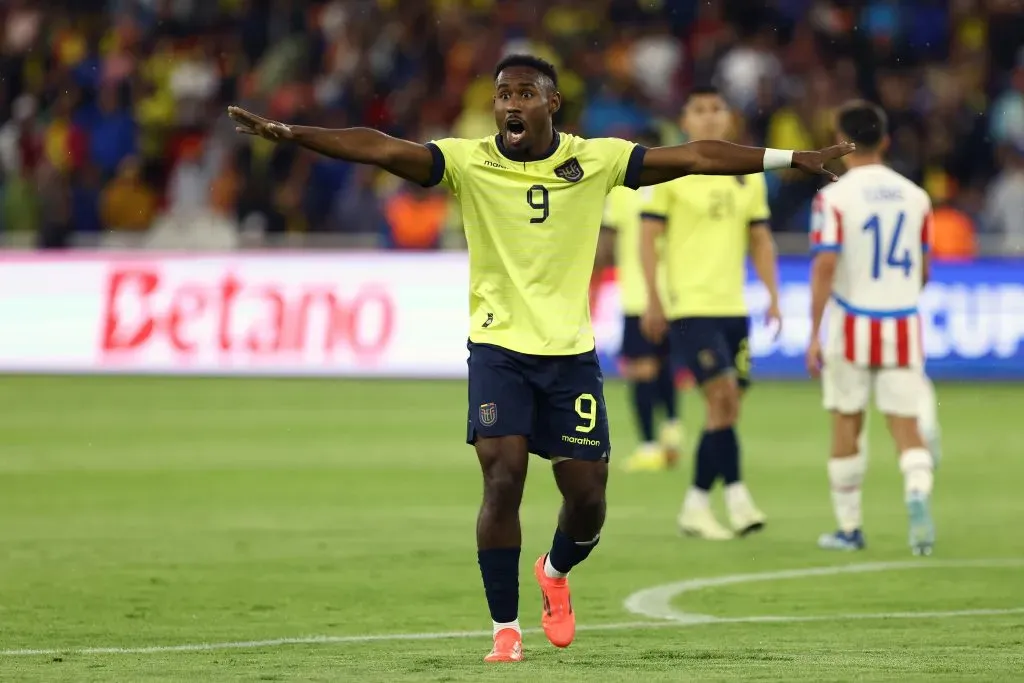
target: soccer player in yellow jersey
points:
(708, 223)
(644, 364)
(531, 201)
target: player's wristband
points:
(777, 158)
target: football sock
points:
(667, 391)
(726, 447)
(499, 568)
(566, 553)
(845, 478)
(514, 625)
(916, 465)
(696, 498)
(644, 395)
(928, 417)
(705, 468)
(737, 496)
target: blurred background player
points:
(708, 226)
(644, 365)
(870, 237)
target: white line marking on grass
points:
(646, 599)
(656, 602)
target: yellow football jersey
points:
(532, 232)
(622, 214)
(708, 221)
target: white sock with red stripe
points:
(917, 465)
(846, 477)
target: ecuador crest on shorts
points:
(570, 170)
(488, 414)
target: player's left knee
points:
(723, 402)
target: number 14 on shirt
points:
(892, 259)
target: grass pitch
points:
(139, 512)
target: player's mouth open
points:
(515, 131)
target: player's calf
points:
(846, 470)
(917, 466)
(503, 462)
(582, 484)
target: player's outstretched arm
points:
(717, 157)
(408, 160)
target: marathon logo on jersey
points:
(570, 170)
(488, 414)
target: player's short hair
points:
(544, 67)
(703, 90)
(863, 123)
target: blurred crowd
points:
(114, 128)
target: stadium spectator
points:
(1004, 205)
(127, 203)
(150, 80)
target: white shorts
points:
(846, 388)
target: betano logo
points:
(580, 440)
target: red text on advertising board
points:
(231, 314)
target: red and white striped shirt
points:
(877, 222)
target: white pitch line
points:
(666, 621)
(656, 602)
(452, 635)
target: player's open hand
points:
(814, 359)
(814, 162)
(773, 316)
(252, 124)
(653, 324)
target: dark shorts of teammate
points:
(556, 402)
(636, 345)
(711, 346)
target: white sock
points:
(916, 465)
(550, 571)
(845, 478)
(649, 446)
(928, 413)
(696, 499)
(737, 495)
(514, 625)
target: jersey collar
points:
(555, 141)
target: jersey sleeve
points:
(657, 202)
(758, 211)
(450, 157)
(624, 161)
(826, 226)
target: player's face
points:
(524, 102)
(706, 117)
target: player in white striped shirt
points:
(869, 234)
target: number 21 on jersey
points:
(895, 256)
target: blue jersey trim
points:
(825, 247)
(436, 165)
(556, 140)
(654, 216)
(635, 167)
(899, 313)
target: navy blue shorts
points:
(708, 346)
(556, 402)
(636, 345)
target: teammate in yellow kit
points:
(708, 223)
(645, 365)
(531, 200)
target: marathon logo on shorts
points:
(570, 170)
(580, 440)
(488, 414)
